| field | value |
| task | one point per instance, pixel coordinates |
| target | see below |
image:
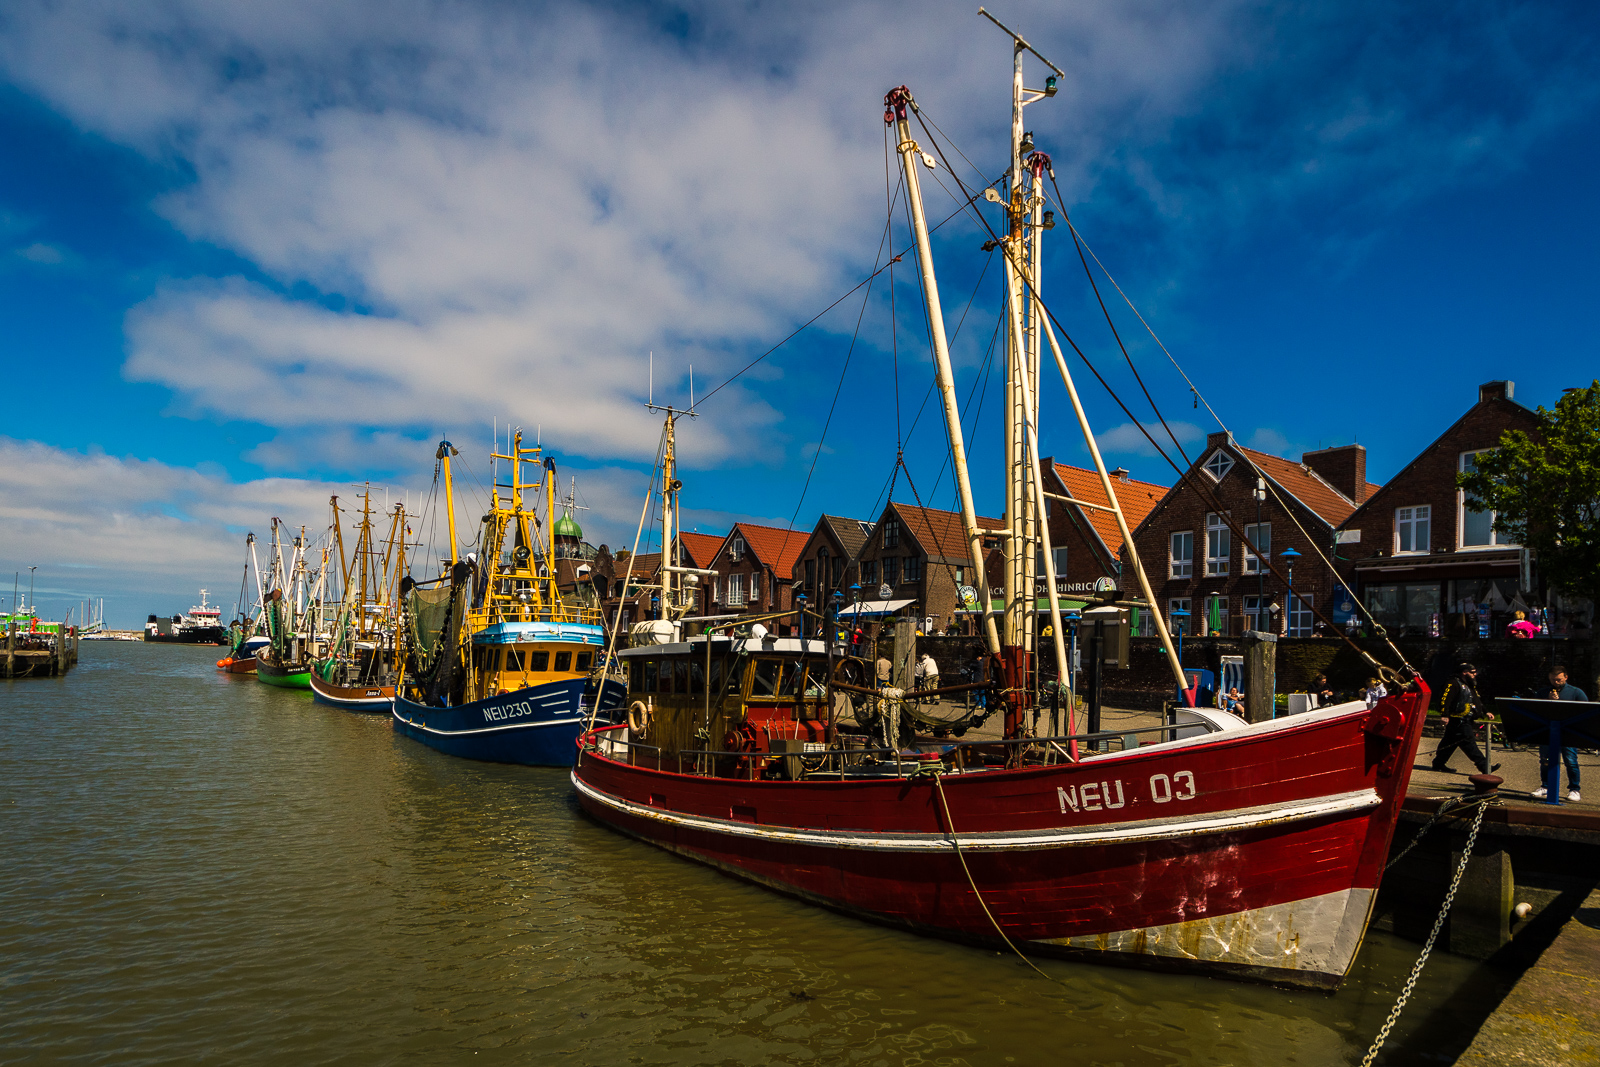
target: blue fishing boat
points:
(496, 664)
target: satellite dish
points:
(885, 591)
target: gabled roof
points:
(1303, 483)
(646, 565)
(1137, 498)
(852, 533)
(939, 532)
(775, 547)
(701, 548)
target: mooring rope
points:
(938, 784)
(1427, 947)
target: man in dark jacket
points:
(1462, 709)
(1560, 690)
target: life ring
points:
(638, 716)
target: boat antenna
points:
(1022, 43)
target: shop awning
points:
(875, 607)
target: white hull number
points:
(1097, 796)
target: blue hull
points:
(537, 726)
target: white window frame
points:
(1205, 613)
(1217, 533)
(891, 533)
(1462, 511)
(911, 569)
(1180, 603)
(1253, 536)
(1180, 567)
(1408, 518)
(735, 597)
(755, 587)
(1218, 464)
(1255, 609)
(1300, 620)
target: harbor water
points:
(198, 868)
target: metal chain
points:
(1438, 924)
(1459, 802)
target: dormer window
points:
(891, 533)
(1219, 464)
(736, 550)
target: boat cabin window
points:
(697, 677)
(584, 661)
(563, 661)
(649, 676)
(514, 663)
(776, 678)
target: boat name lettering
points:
(1108, 796)
(1179, 787)
(508, 711)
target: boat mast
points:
(897, 104)
(446, 450)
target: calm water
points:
(199, 868)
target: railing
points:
(873, 760)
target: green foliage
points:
(1545, 491)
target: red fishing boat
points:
(1251, 850)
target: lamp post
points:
(1179, 624)
(1289, 555)
(800, 599)
(30, 589)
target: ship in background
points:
(200, 625)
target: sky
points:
(254, 255)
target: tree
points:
(1544, 489)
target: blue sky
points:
(248, 257)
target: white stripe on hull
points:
(1006, 841)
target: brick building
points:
(920, 555)
(1424, 562)
(755, 570)
(829, 560)
(643, 598)
(1195, 563)
(1086, 541)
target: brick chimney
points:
(1344, 468)
(1496, 391)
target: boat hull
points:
(537, 726)
(375, 699)
(241, 665)
(200, 635)
(292, 676)
(1254, 853)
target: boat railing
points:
(875, 760)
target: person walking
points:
(928, 675)
(1461, 708)
(1560, 690)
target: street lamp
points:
(1290, 555)
(30, 589)
(1261, 564)
(1178, 625)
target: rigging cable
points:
(1183, 473)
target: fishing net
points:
(428, 609)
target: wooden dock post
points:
(11, 648)
(1260, 675)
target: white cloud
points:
(39, 252)
(1126, 439)
(1266, 439)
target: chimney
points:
(1344, 468)
(1496, 391)
(1120, 474)
(1216, 440)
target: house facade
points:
(1196, 565)
(1085, 540)
(915, 563)
(755, 570)
(1423, 562)
(829, 560)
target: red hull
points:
(1254, 852)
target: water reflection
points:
(200, 867)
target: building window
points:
(891, 533)
(736, 549)
(1217, 545)
(869, 572)
(913, 568)
(1257, 613)
(838, 571)
(1259, 537)
(1477, 527)
(1213, 616)
(891, 570)
(755, 588)
(1299, 615)
(1219, 464)
(1183, 554)
(811, 576)
(1412, 528)
(735, 591)
(961, 576)
(1176, 622)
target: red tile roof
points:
(939, 532)
(1306, 485)
(1137, 498)
(777, 548)
(700, 548)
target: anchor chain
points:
(1427, 947)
